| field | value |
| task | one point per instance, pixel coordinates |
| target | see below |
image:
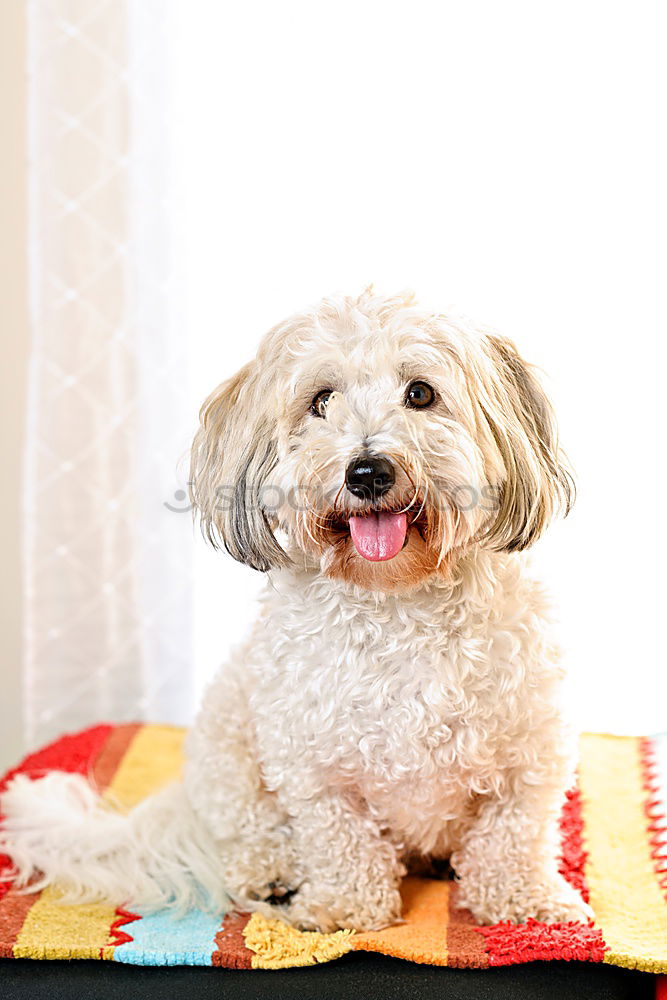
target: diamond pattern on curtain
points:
(107, 563)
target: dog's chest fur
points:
(410, 701)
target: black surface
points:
(354, 977)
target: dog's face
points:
(376, 441)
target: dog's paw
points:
(563, 909)
(275, 893)
(259, 875)
(549, 902)
(327, 910)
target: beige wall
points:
(14, 318)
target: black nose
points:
(369, 477)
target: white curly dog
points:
(398, 698)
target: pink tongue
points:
(379, 536)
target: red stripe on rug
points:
(510, 944)
(470, 946)
(573, 856)
(465, 946)
(231, 952)
(73, 753)
(656, 821)
(124, 917)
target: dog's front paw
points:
(549, 901)
(562, 906)
(259, 871)
(328, 909)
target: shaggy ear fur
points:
(522, 422)
(233, 453)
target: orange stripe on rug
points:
(232, 952)
(110, 756)
(14, 909)
(423, 935)
(466, 947)
(627, 901)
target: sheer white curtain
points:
(107, 562)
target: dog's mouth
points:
(377, 534)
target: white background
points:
(506, 158)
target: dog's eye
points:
(419, 395)
(318, 407)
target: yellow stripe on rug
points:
(276, 945)
(153, 759)
(628, 903)
(72, 931)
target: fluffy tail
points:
(58, 831)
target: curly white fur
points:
(380, 710)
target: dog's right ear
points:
(537, 479)
(233, 454)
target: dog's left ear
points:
(233, 455)
(537, 481)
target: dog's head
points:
(377, 441)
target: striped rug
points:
(614, 848)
